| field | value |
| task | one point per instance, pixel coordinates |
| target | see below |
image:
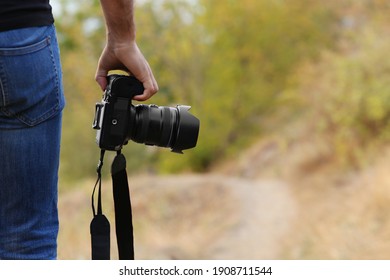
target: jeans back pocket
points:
(30, 82)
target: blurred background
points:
(292, 158)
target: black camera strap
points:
(122, 205)
(100, 226)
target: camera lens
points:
(172, 127)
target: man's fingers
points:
(150, 88)
(102, 81)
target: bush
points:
(348, 94)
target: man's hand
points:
(129, 58)
(121, 51)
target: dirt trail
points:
(266, 210)
(236, 213)
(190, 217)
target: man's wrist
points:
(119, 20)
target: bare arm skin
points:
(121, 50)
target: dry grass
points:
(343, 215)
(174, 217)
(320, 210)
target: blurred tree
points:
(252, 48)
(348, 90)
(81, 36)
(230, 60)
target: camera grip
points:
(136, 87)
(125, 86)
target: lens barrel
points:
(172, 127)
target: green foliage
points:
(230, 60)
(348, 90)
(349, 94)
(253, 46)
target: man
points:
(31, 102)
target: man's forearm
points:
(121, 50)
(119, 19)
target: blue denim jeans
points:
(31, 101)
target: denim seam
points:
(2, 86)
(25, 50)
(53, 110)
(57, 77)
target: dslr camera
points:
(117, 120)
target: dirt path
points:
(265, 214)
(189, 217)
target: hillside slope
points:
(274, 202)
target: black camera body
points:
(117, 120)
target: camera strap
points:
(100, 226)
(122, 206)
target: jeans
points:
(31, 102)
